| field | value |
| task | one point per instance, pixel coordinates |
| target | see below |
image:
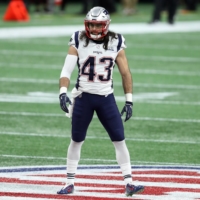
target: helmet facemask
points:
(101, 29)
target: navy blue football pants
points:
(107, 111)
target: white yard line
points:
(164, 58)
(29, 66)
(102, 138)
(170, 102)
(126, 28)
(8, 52)
(164, 46)
(164, 72)
(135, 45)
(134, 57)
(98, 160)
(133, 118)
(174, 72)
(169, 86)
(52, 98)
(145, 85)
(170, 38)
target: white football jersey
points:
(95, 64)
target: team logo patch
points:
(100, 183)
(105, 12)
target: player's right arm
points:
(69, 65)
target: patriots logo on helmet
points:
(106, 12)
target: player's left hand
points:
(128, 110)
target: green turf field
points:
(164, 129)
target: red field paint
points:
(100, 183)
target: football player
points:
(96, 50)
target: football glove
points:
(64, 99)
(128, 110)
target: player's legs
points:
(81, 118)
(73, 157)
(109, 116)
(172, 8)
(157, 10)
(123, 159)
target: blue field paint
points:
(46, 168)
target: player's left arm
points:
(124, 70)
(127, 82)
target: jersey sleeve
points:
(120, 42)
(123, 43)
(74, 40)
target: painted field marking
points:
(145, 85)
(43, 97)
(94, 182)
(32, 114)
(102, 138)
(98, 160)
(174, 72)
(63, 54)
(125, 28)
(163, 46)
(57, 42)
(50, 98)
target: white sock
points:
(126, 171)
(71, 170)
(73, 157)
(123, 159)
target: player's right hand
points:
(64, 99)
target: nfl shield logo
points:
(100, 183)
